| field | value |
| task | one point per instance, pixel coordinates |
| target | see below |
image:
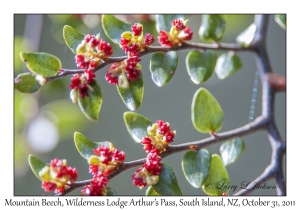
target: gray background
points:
(171, 103)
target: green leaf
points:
(91, 104)
(247, 36)
(195, 166)
(132, 96)
(164, 22)
(218, 180)
(111, 192)
(85, 146)
(281, 20)
(232, 150)
(136, 125)
(41, 63)
(200, 66)
(207, 114)
(163, 67)
(151, 192)
(113, 27)
(228, 64)
(36, 165)
(72, 38)
(26, 83)
(167, 183)
(212, 28)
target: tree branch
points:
(265, 121)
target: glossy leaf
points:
(136, 125)
(36, 165)
(113, 27)
(72, 38)
(111, 192)
(132, 96)
(232, 150)
(26, 83)
(212, 28)
(91, 104)
(228, 64)
(218, 180)
(195, 166)
(281, 20)
(163, 67)
(207, 114)
(85, 146)
(167, 183)
(41, 63)
(247, 36)
(151, 192)
(201, 65)
(164, 22)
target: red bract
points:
(149, 39)
(80, 62)
(105, 47)
(137, 29)
(92, 40)
(138, 178)
(178, 24)
(147, 142)
(97, 187)
(153, 164)
(48, 186)
(189, 33)
(163, 39)
(90, 75)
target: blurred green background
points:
(45, 122)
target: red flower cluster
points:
(80, 83)
(130, 67)
(177, 35)
(90, 52)
(149, 173)
(159, 136)
(96, 187)
(134, 42)
(105, 160)
(57, 176)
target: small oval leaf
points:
(36, 165)
(26, 83)
(164, 22)
(132, 96)
(231, 150)
(247, 36)
(151, 192)
(200, 66)
(136, 125)
(85, 146)
(91, 104)
(113, 27)
(228, 64)
(72, 38)
(212, 28)
(41, 63)
(281, 20)
(195, 166)
(218, 180)
(207, 114)
(163, 67)
(111, 192)
(167, 183)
